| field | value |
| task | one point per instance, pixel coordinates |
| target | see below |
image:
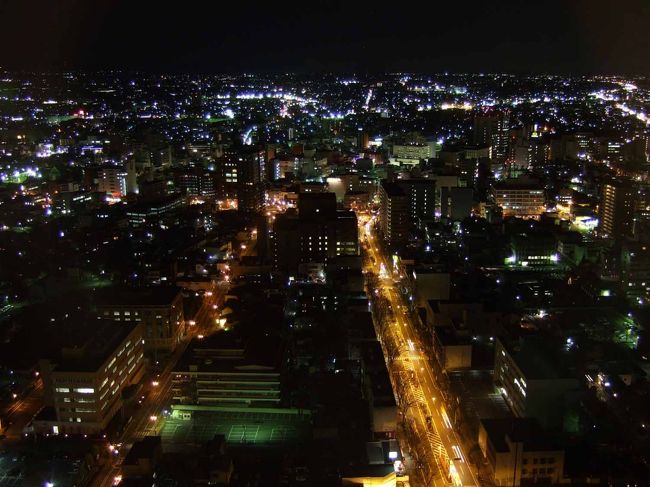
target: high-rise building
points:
(421, 195)
(456, 203)
(493, 128)
(617, 206)
(242, 171)
(641, 227)
(393, 213)
(197, 183)
(131, 176)
(363, 141)
(315, 233)
(84, 385)
(113, 180)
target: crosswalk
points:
(419, 395)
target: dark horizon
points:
(578, 37)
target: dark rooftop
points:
(226, 351)
(145, 448)
(537, 359)
(392, 189)
(89, 355)
(159, 296)
(520, 430)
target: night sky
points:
(569, 36)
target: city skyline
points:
(288, 245)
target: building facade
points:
(493, 128)
(635, 272)
(241, 174)
(421, 194)
(617, 208)
(313, 235)
(519, 198)
(85, 386)
(532, 381)
(112, 180)
(160, 311)
(519, 453)
(218, 372)
(393, 213)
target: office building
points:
(197, 183)
(153, 211)
(69, 202)
(315, 233)
(83, 388)
(617, 207)
(641, 226)
(519, 452)
(241, 173)
(533, 379)
(453, 347)
(533, 249)
(363, 141)
(520, 197)
(493, 128)
(219, 371)
(160, 310)
(112, 180)
(430, 282)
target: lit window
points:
(85, 390)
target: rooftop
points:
(518, 430)
(392, 189)
(538, 359)
(227, 352)
(122, 296)
(89, 355)
(145, 448)
(518, 183)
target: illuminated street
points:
(21, 410)
(255, 244)
(436, 446)
(150, 417)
